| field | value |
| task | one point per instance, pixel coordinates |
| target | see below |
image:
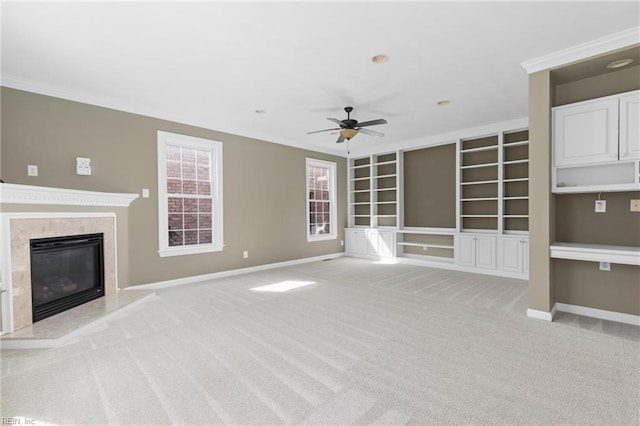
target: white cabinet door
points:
(510, 254)
(356, 241)
(586, 132)
(382, 243)
(513, 254)
(525, 255)
(485, 252)
(369, 242)
(466, 250)
(630, 127)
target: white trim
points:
(443, 138)
(216, 179)
(547, 316)
(625, 255)
(591, 48)
(232, 272)
(423, 230)
(6, 297)
(599, 313)
(333, 189)
(27, 194)
(8, 343)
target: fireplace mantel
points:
(27, 194)
(31, 212)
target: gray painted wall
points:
(430, 187)
(541, 201)
(264, 183)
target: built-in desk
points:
(625, 255)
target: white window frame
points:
(312, 162)
(215, 148)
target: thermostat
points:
(83, 166)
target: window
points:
(321, 200)
(189, 194)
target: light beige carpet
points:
(356, 342)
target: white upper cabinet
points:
(586, 132)
(596, 145)
(630, 127)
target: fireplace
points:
(66, 271)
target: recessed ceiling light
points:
(380, 59)
(261, 111)
(619, 64)
(444, 102)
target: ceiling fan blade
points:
(371, 132)
(340, 139)
(325, 130)
(338, 122)
(372, 122)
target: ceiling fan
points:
(350, 127)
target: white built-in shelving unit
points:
(492, 214)
(494, 182)
(373, 191)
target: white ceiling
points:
(212, 64)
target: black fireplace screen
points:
(65, 272)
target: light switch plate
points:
(601, 206)
(635, 206)
(145, 192)
(32, 170)
(83, 166)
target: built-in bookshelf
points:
(494, 183)
(479, 183)
(360, 192)
(373, 191)
(515, 182)
(461, 204)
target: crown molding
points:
(27, 194)
(591, 48)
(444, 138)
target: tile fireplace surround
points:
(19, 227)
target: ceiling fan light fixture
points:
(380, 59)
(348, 133)
(619, 64)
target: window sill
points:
(321, 237)
(168, 252)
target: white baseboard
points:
(232, 272)
(547, 316)
(450, 264)
(598, 313)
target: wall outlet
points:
(341, 242)
(83, 166)
(32, 170)
(634, 206)
(605, 266)
(601, 206)
(245, 254)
